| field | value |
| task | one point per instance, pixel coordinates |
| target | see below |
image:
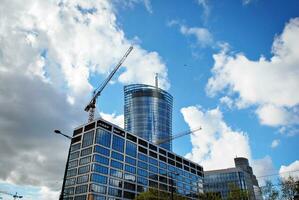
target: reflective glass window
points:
(129, 186)
(87, 139)
(129, 195)
(75, 147)
(73, 164)
(102, 150)
(85, 160)
(153, 161)
(142, 172)
(142, 157)
(130, 177)
(81, 189)
(82, 179)
(84, 169)
(86, 151)
(131, 161)
(100, 159)
(103, 137)
(116, 164)
(70, 181)
(98, 188)
(116, 173)
(99, 168)
(142, 165)
(118, 143)
(131, 149)
(130, 169)
(98, 178)
(74, 155)
(117, 156)
(115, 192)
(71, 172)
(153, 169)
(142, 181)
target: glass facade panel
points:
(131, 149)
(118, 143)
(87, 139)
(103, 137)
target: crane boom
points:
(164, 140)
(92, 104)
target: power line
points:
(276, 174)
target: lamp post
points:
(67, 163)
(172, 173)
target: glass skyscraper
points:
(109, 163)
(148, 113)
(218, 181)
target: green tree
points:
(235, 193)
(269, 191)
(288, 188)
(210, 196)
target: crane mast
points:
(168, 139)
(92, 104)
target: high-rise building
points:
(218, 181)
(148, 113)
(109, 163)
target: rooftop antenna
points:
(156, 81)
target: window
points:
(143, 150)
(71, 172)
(85, 160)
(153, 184)
(102, 150)
(162, 165)
(118, 143)
(142, 172)
(131, 161)
(142, 157)
(75, 147)
(162, 151)
(96, 197)
(87, 139)
(99, 168)
(103, 137)
(142, 181)
(86, 152)
(114, 192)
(142, 165)
(152, 147)
(130, 169)
(116, 164)
(84, 169)
(74, 155)
(131, 149)
(70, 181)
(170, 155)
(130, 177)
(98, 188)
(152, 154)
(82, 179)
(129, 195)
(116, 173)
(98, 178)
(142, 142)
(162, 158)
(69, 191)
(131, 137)
(73, 164)
(100, 159)
(117, 156)
(81, 197)
(153, 169)
(129, 186)
(153, 176)
(115, 182)
(81, 189)
(153, 161)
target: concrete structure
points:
(217, 181)
(107, 162)
(148, 113)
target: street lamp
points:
(172, 173)
(67, 163)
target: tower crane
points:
(15, 196)
(97, 92)
(168, 139)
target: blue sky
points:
(231, 66)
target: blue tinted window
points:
(102, 150)
(142, 181)
(153, 169)
(115, 192)
(117, 156)
(116, 173)
(103, 137)
(101, 159)
(100, 169)
(87, 139)
(116, 164)
(131, 149)
(162, 165)
(131, 161)
(142, 172)
(118, 143)
(142, 157)
(84, 169)
(98, 178)
(130, 169)
(153, 161)
(142, 165)
(162, 172)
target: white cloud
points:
(275, 143)
(269, 84)
(206, 8)
(216, 144)
(227, 101)
(263, 167)
(113, 118)
(49, 51)
(246, 2)
(290, 170)
(202, 35)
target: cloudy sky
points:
(231, 66)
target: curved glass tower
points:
(148, 113)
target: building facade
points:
(109, 163)
(218, 181)
(148, 113)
